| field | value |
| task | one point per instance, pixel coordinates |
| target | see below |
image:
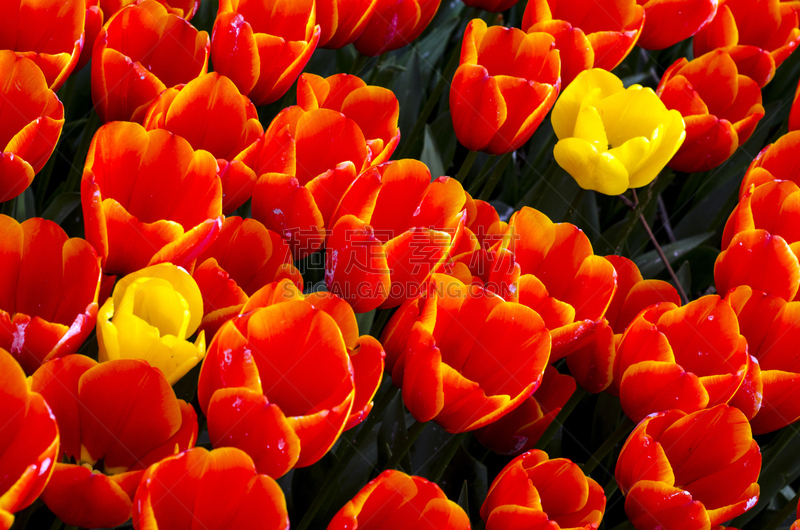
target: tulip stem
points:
(466, 166)
(448, 451)
(76, 168)
(401, 449)
(449, 70)
(660, 251)
(499, 169)
(784, 513)
(560, 418)
(358, 64)
(357, 445)
(616, 437)
(573, 206)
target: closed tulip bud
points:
(668, 22)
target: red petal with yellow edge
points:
(532, 293)
(15, 397)
(81, 270)
(30, 340)
(518, 518)
(780, 401)
(668, 23)
(642, 295)
(80, 497)
(531, 102)
(643, 342)
(238, 182)
(314, 91)
(592, 288)
(658, 506)
(512, 487)
(423, 378)
(611, 47)
(715, 78)
(592, 364)
(316, 153)
(709, 142)
(719, 32)
(651, 386)
(404, 184)
(218, 289)
(772, 206)
(41, 266)
(368, 364)
(477, 106)
(229, 362)
(574, 48)
(286, 207)
(241, 418)
(642, 458)
(375, 110)
(334, 186)
(235, 51)
(410, 258)
(776, 351)
(753, 62)
(17, 176)
(356, 267)
(184, 250)
(35, 142)
(150, 417)
(441, 206)
(183, 440)
(750, 394)
(679, 94)
(400, 24)
(761, 261)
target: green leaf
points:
(62, 206)
(430, 155)
(392, 428)
(650, 263)
(408, 90)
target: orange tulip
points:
(29, 438)
(519, 430)
(772, 206)
(720, 107)
(667, 22)
(505, 85)
(243, 259)
(394, 24)
(115, 419)
(771, 327)
(770, 25)
(533, 491)
(141, 51)
(374, 109)
(211, 114)
(48, 291)
(404, 501)
(263, 45)
(342, 21)
(693, 471)
(283, 379)
(452, 349)
(392, 228)
(588, 34)
(148, 197)
(776, 161)
(688, 358)
(760, 260)
(303, 174)
(592, 365)
(213, 490)
(48, 32)
(31, 119)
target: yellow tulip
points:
(611, 138)
(150, 315)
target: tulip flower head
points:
(693, 471)
(29, 440)
(150, 315)
(342, 21)
(394, 24)
(31, 118)
(404, 501)
(668, 22)
(534, 491)
(505, 85)
(776, 161)
(612, 138)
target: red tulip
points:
(342, 21)
(451, 352)
(303, 174)
(688, 358)
(243, 259)
(211, 114)
(262, 45)
(392, 228)
(693, 471)
(588, 34)
(284, 378)
(720, 107)
(506, 83)
(493, 6)
(31, 119)
(48, 291)
(374, 109)
(561, 278)
(29, 438)
(776, 161)
(592, 364)
(772, 206)
(761, 261)
(770, 25)
(48, 32)
(394, 24)
(214, 490)
(771, 327)
(115, 419)
(148, 197)
(141, 51)
(519, 430)
(667, 22)
(533, 491)
(403, 501)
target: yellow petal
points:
(589, 127)
(159, 304)
(597, 82)
(182, 357)
(633, 153)
(634, 112)
(592, 169)
(107, 337)
(672, 136)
